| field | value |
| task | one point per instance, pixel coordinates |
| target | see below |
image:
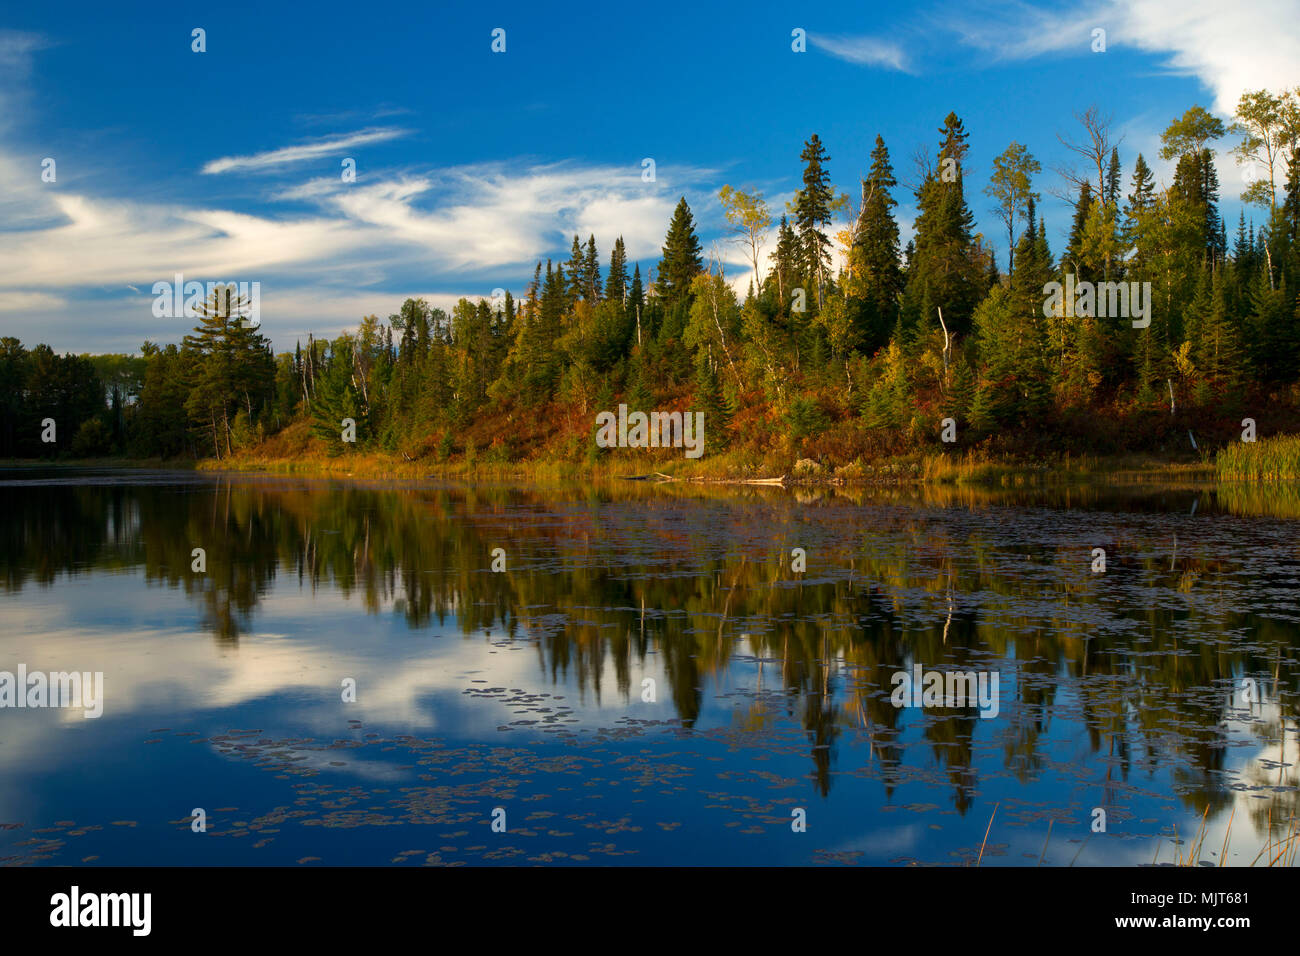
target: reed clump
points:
(1276, 458)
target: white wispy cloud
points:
(12, 300)
(302, 152)
(357, 247)
(864, 50)
(1230, 48)
(17, 47)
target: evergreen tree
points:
(591, 272)
(1291, 205)
(575, 288)
(944, 270)
(636, 300)
(1113, 180)
(875, 274)
(1075, 253)
(812, 207)
(785, 261)
(337, 399)
(233, 367)
(1196, 185)
(1274, 333)
(681, 258)
(710, 401)
(616, 280)
(1221, 356)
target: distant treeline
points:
(834, 364)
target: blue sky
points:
(225, 165)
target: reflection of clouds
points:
(322, 761)
(154, 662)
(1259, 769)
(882, 843)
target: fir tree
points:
(812, 213)
(636, 300)
(616, 280)
(575, 289)
(681, 258)
(1113, 180)
(944, 269)
(785, 261)
(591, 272)
(1075, 250)
(875, 274)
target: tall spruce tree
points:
(1076, 259)
(1113, 180)
(616, 280)
(574, 288)
(875, 273)
(591, 272)
(812, 214)
(944, 271)
(785, 261)
(681, 260)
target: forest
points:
(843, 365)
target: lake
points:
(670, 674)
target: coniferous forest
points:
(851, 348)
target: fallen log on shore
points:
(660, 478)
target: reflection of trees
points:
(599, 580)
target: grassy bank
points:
(310, 458)
(295, 452)
(1268, 459)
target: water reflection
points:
(1121, 691)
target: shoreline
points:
(903, 470)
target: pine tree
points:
(1140, 200)
(812, 213)
(335, 400)
(591, 272)
(1113, 180)
(1196, 184)
(234, 367)
(1033, 268)
(636, 300)
(875, 274)
(1243, 250)
(681, 258)
(575, 288)
(944, 270)
(1013, 383)
(1143, 192)
(1075, 251)
(1275, 336)
(616, 280)
(1222, 359)
(1291, 205)
(785, 261)
(709, 400)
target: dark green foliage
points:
(875, 280)
(681, 261)
(944, 269)
(812, 214)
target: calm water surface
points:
(648, 681)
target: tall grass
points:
(1269, 459)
